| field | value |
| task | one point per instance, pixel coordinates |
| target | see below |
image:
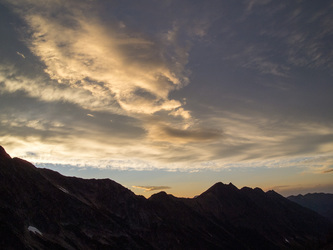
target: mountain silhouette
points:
(42, 209)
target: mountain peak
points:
(3, 154)
(159, 196)
(219, 186)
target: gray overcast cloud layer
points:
(168, 84)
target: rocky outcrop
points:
(3, 154)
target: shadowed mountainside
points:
(319, 202)
(41, 209)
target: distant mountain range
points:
(319, 202)
(41, 209)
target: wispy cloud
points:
(280, 41)
(109, 62)
(20, 54)
(253, 3)
(167, 133)
(46, 90)
(152, 188)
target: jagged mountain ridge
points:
(40, 209)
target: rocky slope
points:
(41, 209)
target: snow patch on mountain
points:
(63, 189)
(34, 230)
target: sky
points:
(171, 95)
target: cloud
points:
(264, 136)
(328, 171)
(264, 65)
(280, 187)
(297, 189)
(280, 43)
(105, 66)
(159, 131)
(252, 3)
(187, 135)
(20, 54)
(42, 88)
(152, 188)
(181, 112)
(114, 64)
(109, 66)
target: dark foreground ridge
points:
(41, 209)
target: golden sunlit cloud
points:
(103, 68)
(181, 112)
(152, 188)
(90, 56)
